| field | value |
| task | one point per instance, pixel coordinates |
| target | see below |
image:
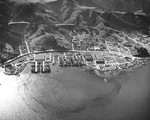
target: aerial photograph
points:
(74, 59)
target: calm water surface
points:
(73, 94)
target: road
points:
(40, 52)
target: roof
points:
(100, 61)
(31, 57)
(96, 47)
(87, 53)
(88, 56)
(99, 56)
(40, 57)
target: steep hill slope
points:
(50, 24)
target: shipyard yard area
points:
(116, 57)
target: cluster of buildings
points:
(16, 66)
(72, 60)
(139, 39)
(115, 57)
(118, 49)
(76, 38)
(110, 61)
(40, 61)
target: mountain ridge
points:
(75, 16)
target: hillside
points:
(50, 24)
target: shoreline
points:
(56, 69)
(63, 92)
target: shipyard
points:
(116, 57)
(74, 60)
(60, 84)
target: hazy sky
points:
(32, 1)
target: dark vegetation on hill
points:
(108, 20)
